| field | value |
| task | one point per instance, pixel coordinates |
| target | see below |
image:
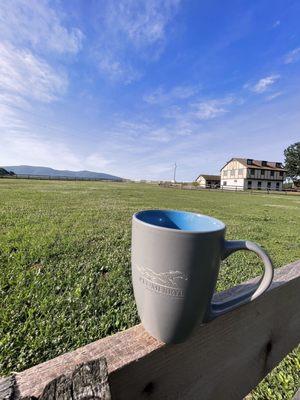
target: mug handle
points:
(231, 246)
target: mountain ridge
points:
(47, 171)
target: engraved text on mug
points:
(169, 283)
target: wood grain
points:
(7, 388)
(89, 381)
(223, 359)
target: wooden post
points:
(297, 396)
(7, 388)
(88, 381)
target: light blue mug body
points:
(176, 258)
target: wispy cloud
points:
(210, 109)
(162, 135)
(35, 23)
(273, 96)
(292, 56)
(276, 24)
(263, 84)
(200, 110)
(160, 96)
(34, 149)
(143, 23)
(96, 161)
(131, 29)
(117, 70)
(22, 73)
(30, 32)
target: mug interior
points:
(180, 220)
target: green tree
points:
(292, 161)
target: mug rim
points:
(222, 224)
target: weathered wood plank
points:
(7, 388)
(88, 381)
(223, 359)
(297, 395)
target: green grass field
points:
(65, 262)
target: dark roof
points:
(210, 177)
(271, 165)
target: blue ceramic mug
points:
(176, 258)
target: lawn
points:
(65, 262)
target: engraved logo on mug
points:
(169, 283)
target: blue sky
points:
(129, 87)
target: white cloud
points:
(273, 96)
(37, 24)
(208, 110)
(29, 148)
(130, 29)
(22, 73)
(162, 135)
(263, 84)
(155, 170)
(117, 70)
(276, 24)
(143, 23)
(159, 95)
(96, 162)
(25, 147)
(292, 56)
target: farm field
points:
(65, 262)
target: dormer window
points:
(264, 163)
(278, 165)
(249, 161)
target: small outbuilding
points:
(209, 181)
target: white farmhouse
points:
(246, 173)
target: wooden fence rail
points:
(224, 359)
(58, 178)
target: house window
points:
(258, 185)
(262, 172)
(240, 171)
(224, 183)
(281, 173)
(264, 163)
(235, 180)
(232, 172)
(249, 161)
(269, 185)
(224, 173)
(272, 173)
(252, 171)
(249, 184)
(278, 165)
(277, 185)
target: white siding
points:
(233, 184)
(201, 181)
(235, 176)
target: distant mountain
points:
(31, 170)
(3, 172)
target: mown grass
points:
(65, 262)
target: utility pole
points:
(175, 167)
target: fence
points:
(223, 359)
(57, 178)
(227, 188)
